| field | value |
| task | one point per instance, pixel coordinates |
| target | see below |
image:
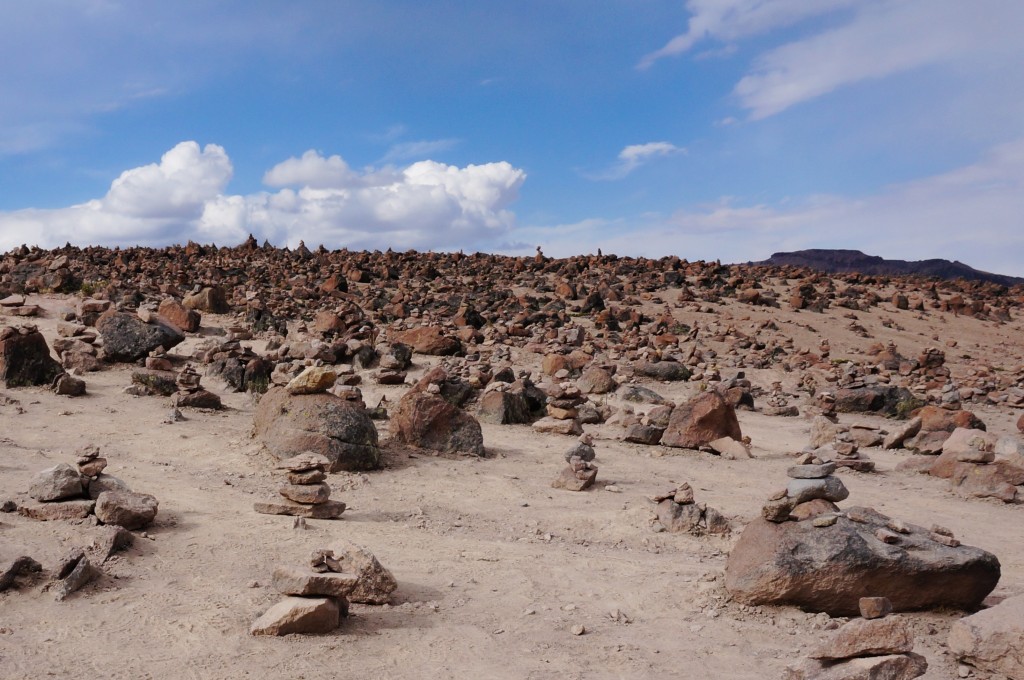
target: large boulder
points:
(342, 432)
(178, 314)
(126, 337)
(700, 421)
(25, 358)
(993, 639)
(885, 399)
(669, 371)
(938, 419)
(504, 408)
(209, 299)
(429, 340)
(829, 568)
(430, 422)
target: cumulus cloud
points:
(635, 155)
(312, 170)
(971, 213)
(425, 205)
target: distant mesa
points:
(847, 261)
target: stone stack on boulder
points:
(677, 511)
(875, 646)
(305, 494)
(828, 563)
(580, 473)
(316, 598)
(812, 491)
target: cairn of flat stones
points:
(811, 493)
(316, 597)
(876, 645)
(677, 511)
(580, 473)
(305, 493)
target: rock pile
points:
(318, 595)
(876, 646)
(305, 493)
(677, 511)
(65, 492)
(316, 598)
(812, 491)
(580, 473)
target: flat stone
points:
(328, 510)
(303, 462)
(811, 471)
(75, 509)
(308, 615)
(311, 494)
(867, 637)
(307, 476)
(313, 380)
(889, 667)
(293, 581)
(550, 425)
(829, 488)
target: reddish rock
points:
(429, 340)
(178, 314)
(993, 639)
(307, 615)
(430, 422)
(934, 419)
(210, 299)
(700, 421)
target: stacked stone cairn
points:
(812, 493)
(305, 494)
(69, 493)
(191, 393)
(316, 598)
(580, 473)
(678, 512)
(878, 645)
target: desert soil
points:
(495, 568)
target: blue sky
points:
(710, 129)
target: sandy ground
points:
(495, 567)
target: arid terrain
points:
(497, 571)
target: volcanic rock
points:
(127, 338)
(337, 429)
(829, 569)
(701, 420)
(430, 422)
(25, 358)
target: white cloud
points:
(635, 155)
(864, 40)
(425, 205)
(728, 20)
(408, 150)
(971, 214)
(311, 170)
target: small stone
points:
(945, 540)
(811, 471)
(328, 510)
(309, 615)
(126, 508)
(310, 494)
(578, 629)
(886, 536)
(289, 581)
(874, 607)
(824, 520)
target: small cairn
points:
(191, 393)
(305, 493)
(847, 455)
(678, 512)
(581, 472)
(316, 598)
(812, 493)
(876, 645)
